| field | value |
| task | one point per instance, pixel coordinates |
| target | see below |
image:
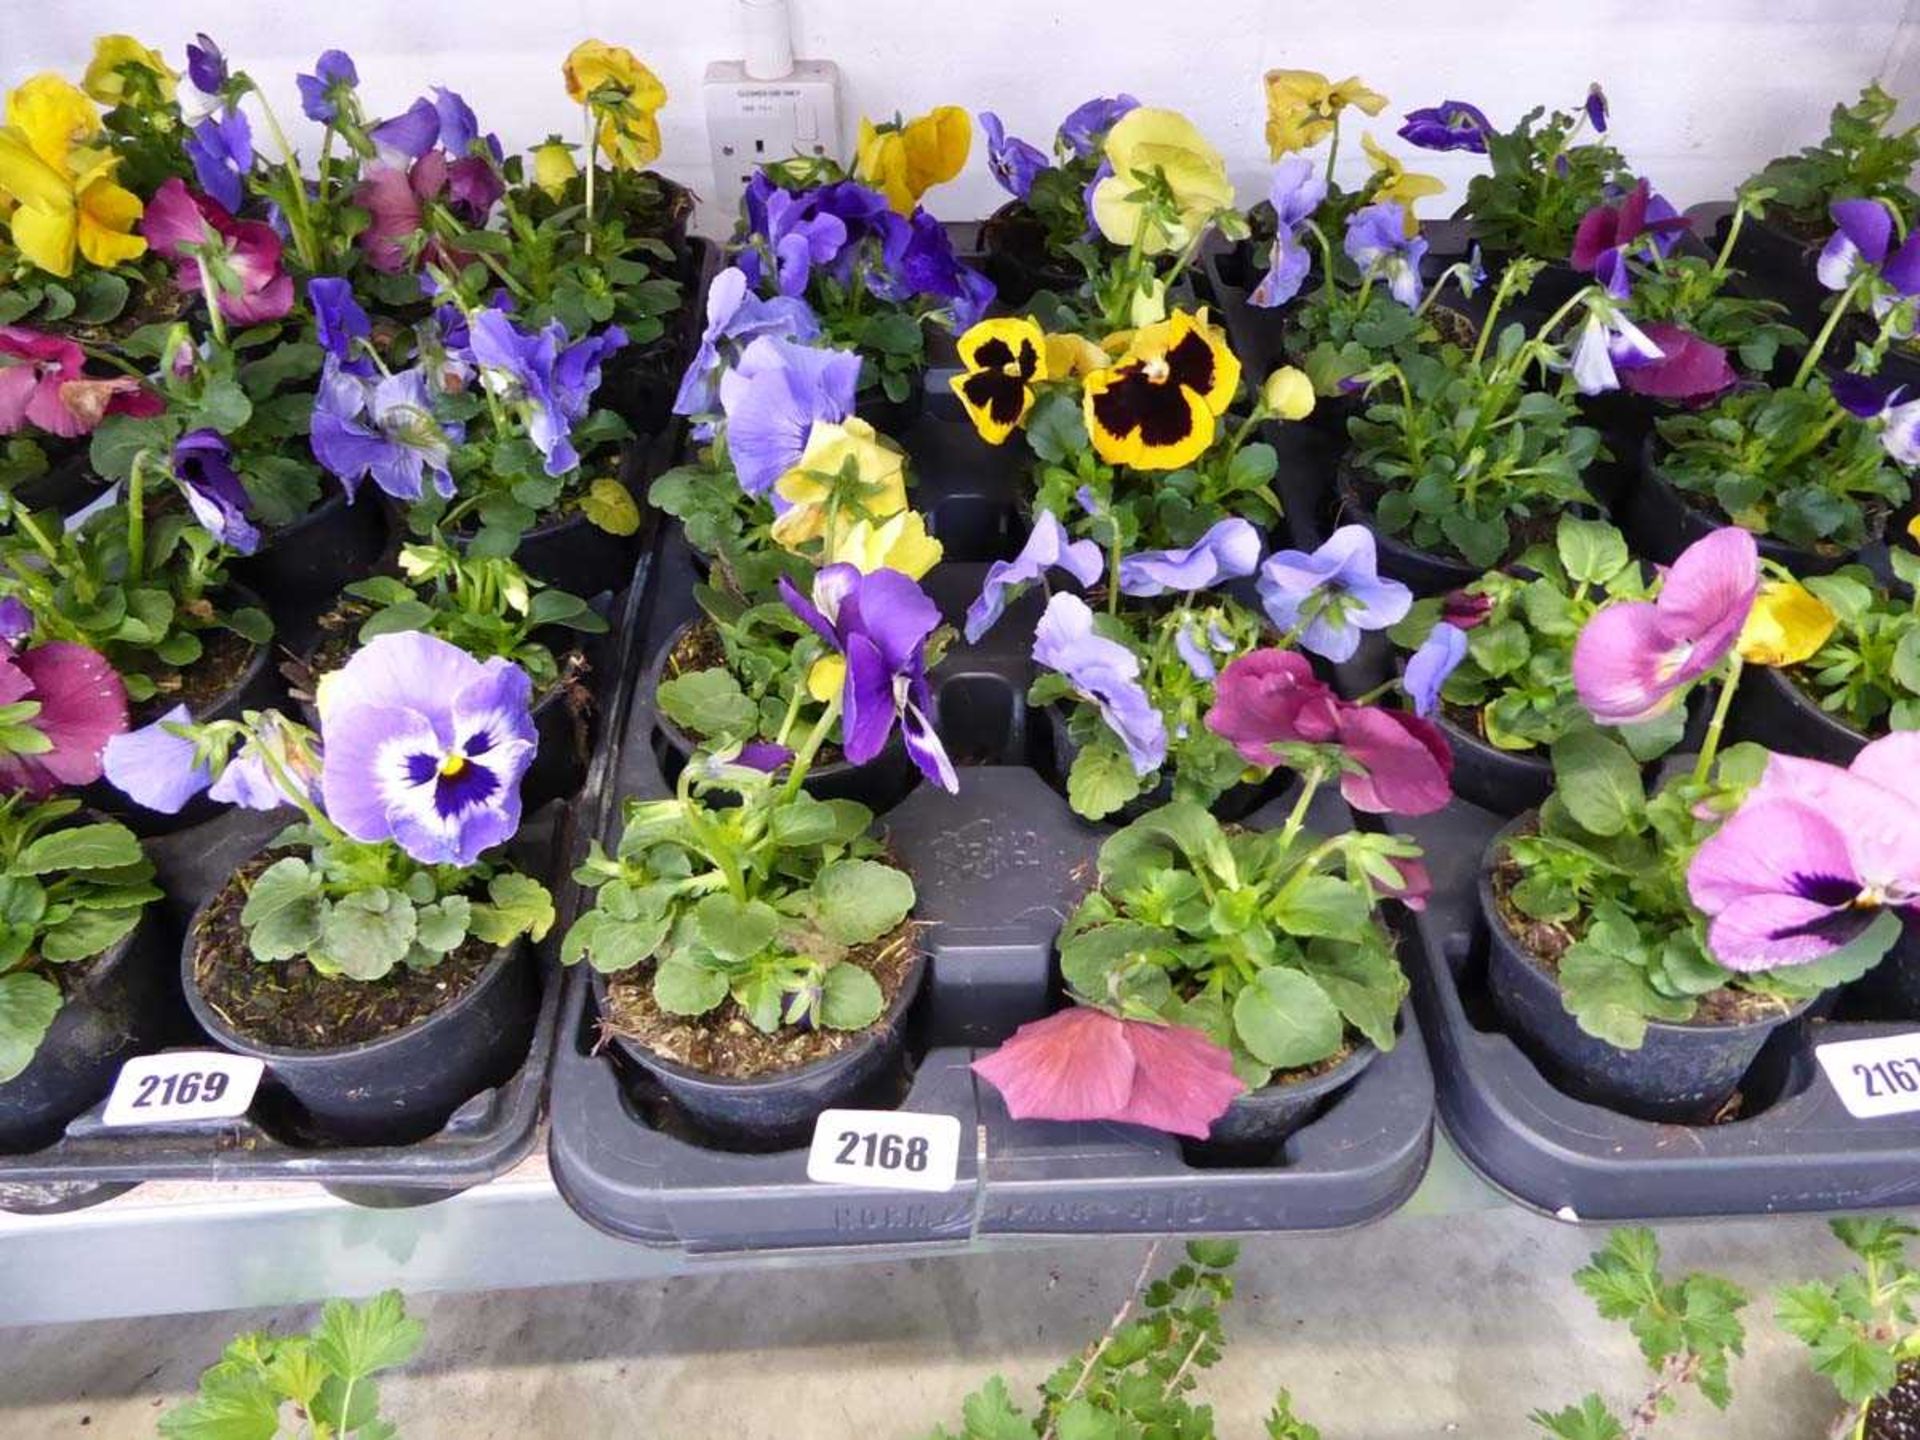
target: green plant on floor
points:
(1862, 1331)
(1135, 1380)
(1687, 1329)
(326, 1375)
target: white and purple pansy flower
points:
(1012, 161)
(550, 379)
(1333, 594)
(203, 468)
(1609, 343)
(1862, 240)
(1106, 673)
(381, 427)
(1872, 398)
(1377, 242)
(425, 746)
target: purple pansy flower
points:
(550, 380)
(321, 92)
(206, 66)
(459, 127)
(1863, 239)
(408, 135)
(203, 466)
(800, 238)
(338, 320)
(1012, 162)
(1332, 594)
(1428, 667)
(763, 755)
(1104, 172)
(221, 149)
(425, 746)
(1197, 646)
(1377, 241)
(156, 767)
(1296, 192)
(382, 427)
(1229, 549)
(1450, 125)
(16, 621)
(1871, 398)
(1047, 547)
(1608, 233)
(1634, 658)
(1597, 108)
(1105, 672)
(771, 399)
(1086, 126)
(1812, 857)
(880, 623)
(917, 258)
(735, 317)
(1609, 342)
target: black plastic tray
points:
(997, 867)
(1798, 1151)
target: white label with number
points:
(1874, 1077)
(183, 1085)
(886, 1149)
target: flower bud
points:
(1288, 393)
(553, 166)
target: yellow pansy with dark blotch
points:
(1003, 358)
(1154, 408)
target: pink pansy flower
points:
(1084, 1064)
(1812, 856)
(43, 385)
(82, 706)
(179, 224)
(1633, 659)
(1689, 368)
(397, 200)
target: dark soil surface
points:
(699, 648)
(340, 637)
(224, 657)
(1896, 1414)
(290, 1004)
(724, 1043)
(1546, 942)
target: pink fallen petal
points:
(1182, 1081)
(1075, 1065)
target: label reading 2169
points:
(1876, 1076)
(886, 1149)
(182, 1085)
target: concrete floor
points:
(1421, 1326)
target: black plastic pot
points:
(1659, 522)
(303, 567)
(1262, 1119)
(1236, 804)
(68, 483)
(1891, 990)
(1773, 710)
(1684, 1074)
(879, 785)
(777, 1111)
(121, 1004)
(893, 417)
(1506, 782)
(401, 1087)
(1014, 254)
(1778, 265)
(1420, 570)
(571, 553)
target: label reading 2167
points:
(1876, 1076)
(182, 1085)
(886, 1149)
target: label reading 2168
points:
(182, 1085)
(886, 1149)
(1876, 1076)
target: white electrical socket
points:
(751, 122)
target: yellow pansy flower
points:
(827, 677)
(553, 166)
(900, 543)
(1913, 529)
(625, 96)
(847, 473)
(1073, 356)
(1288, 394)
(1155, 407)
(56, 214)
(1788, 624)
(904, 161)
(1002, 358)
(104, 81)
(54, 116)
(1159, 150)
(1393, 181)
(1303, 106)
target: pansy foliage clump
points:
(1864, 665)
(1861, 158)
(411, 785)
(1607, 887)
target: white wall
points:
(1702, 90)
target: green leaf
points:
(28, 1004)
(1609, 996)
(1285, 1019)
(1088, 958)
(282, 914)
(81, 847)
(235, 1403)
(683, 989)
(1650, 739)
(709, 704)
(355, 1341)
(224, 406)
(856, 901)
(1328, 905)
(520, 906)
(86, 933)
(804, 822)
(851, 999)
(367, 933)
(1592, 551)
(405, 616)
(442, 925)
(609, 505)
(1365, 983)
(1101, 781)
(735, 930)
(1589, 1420)
(1598, 781)
(990, 1414)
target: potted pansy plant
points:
(1815, 465)
(753, 946)
(380, 964)
(83, 967)
(1606, 959)
(1225, 981)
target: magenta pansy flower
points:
(1084, 1064)
(83, 706)
(181, 225)
(43, 384)
(1633, 659)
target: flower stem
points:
(301, 220)
(1333, 153)
(1113, 571)
(1725, 257)
(1711, 745)
(1309, 783)
(1815, 350)
(803, 758)
(593, 165)
(211, 293)
(137, 517)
